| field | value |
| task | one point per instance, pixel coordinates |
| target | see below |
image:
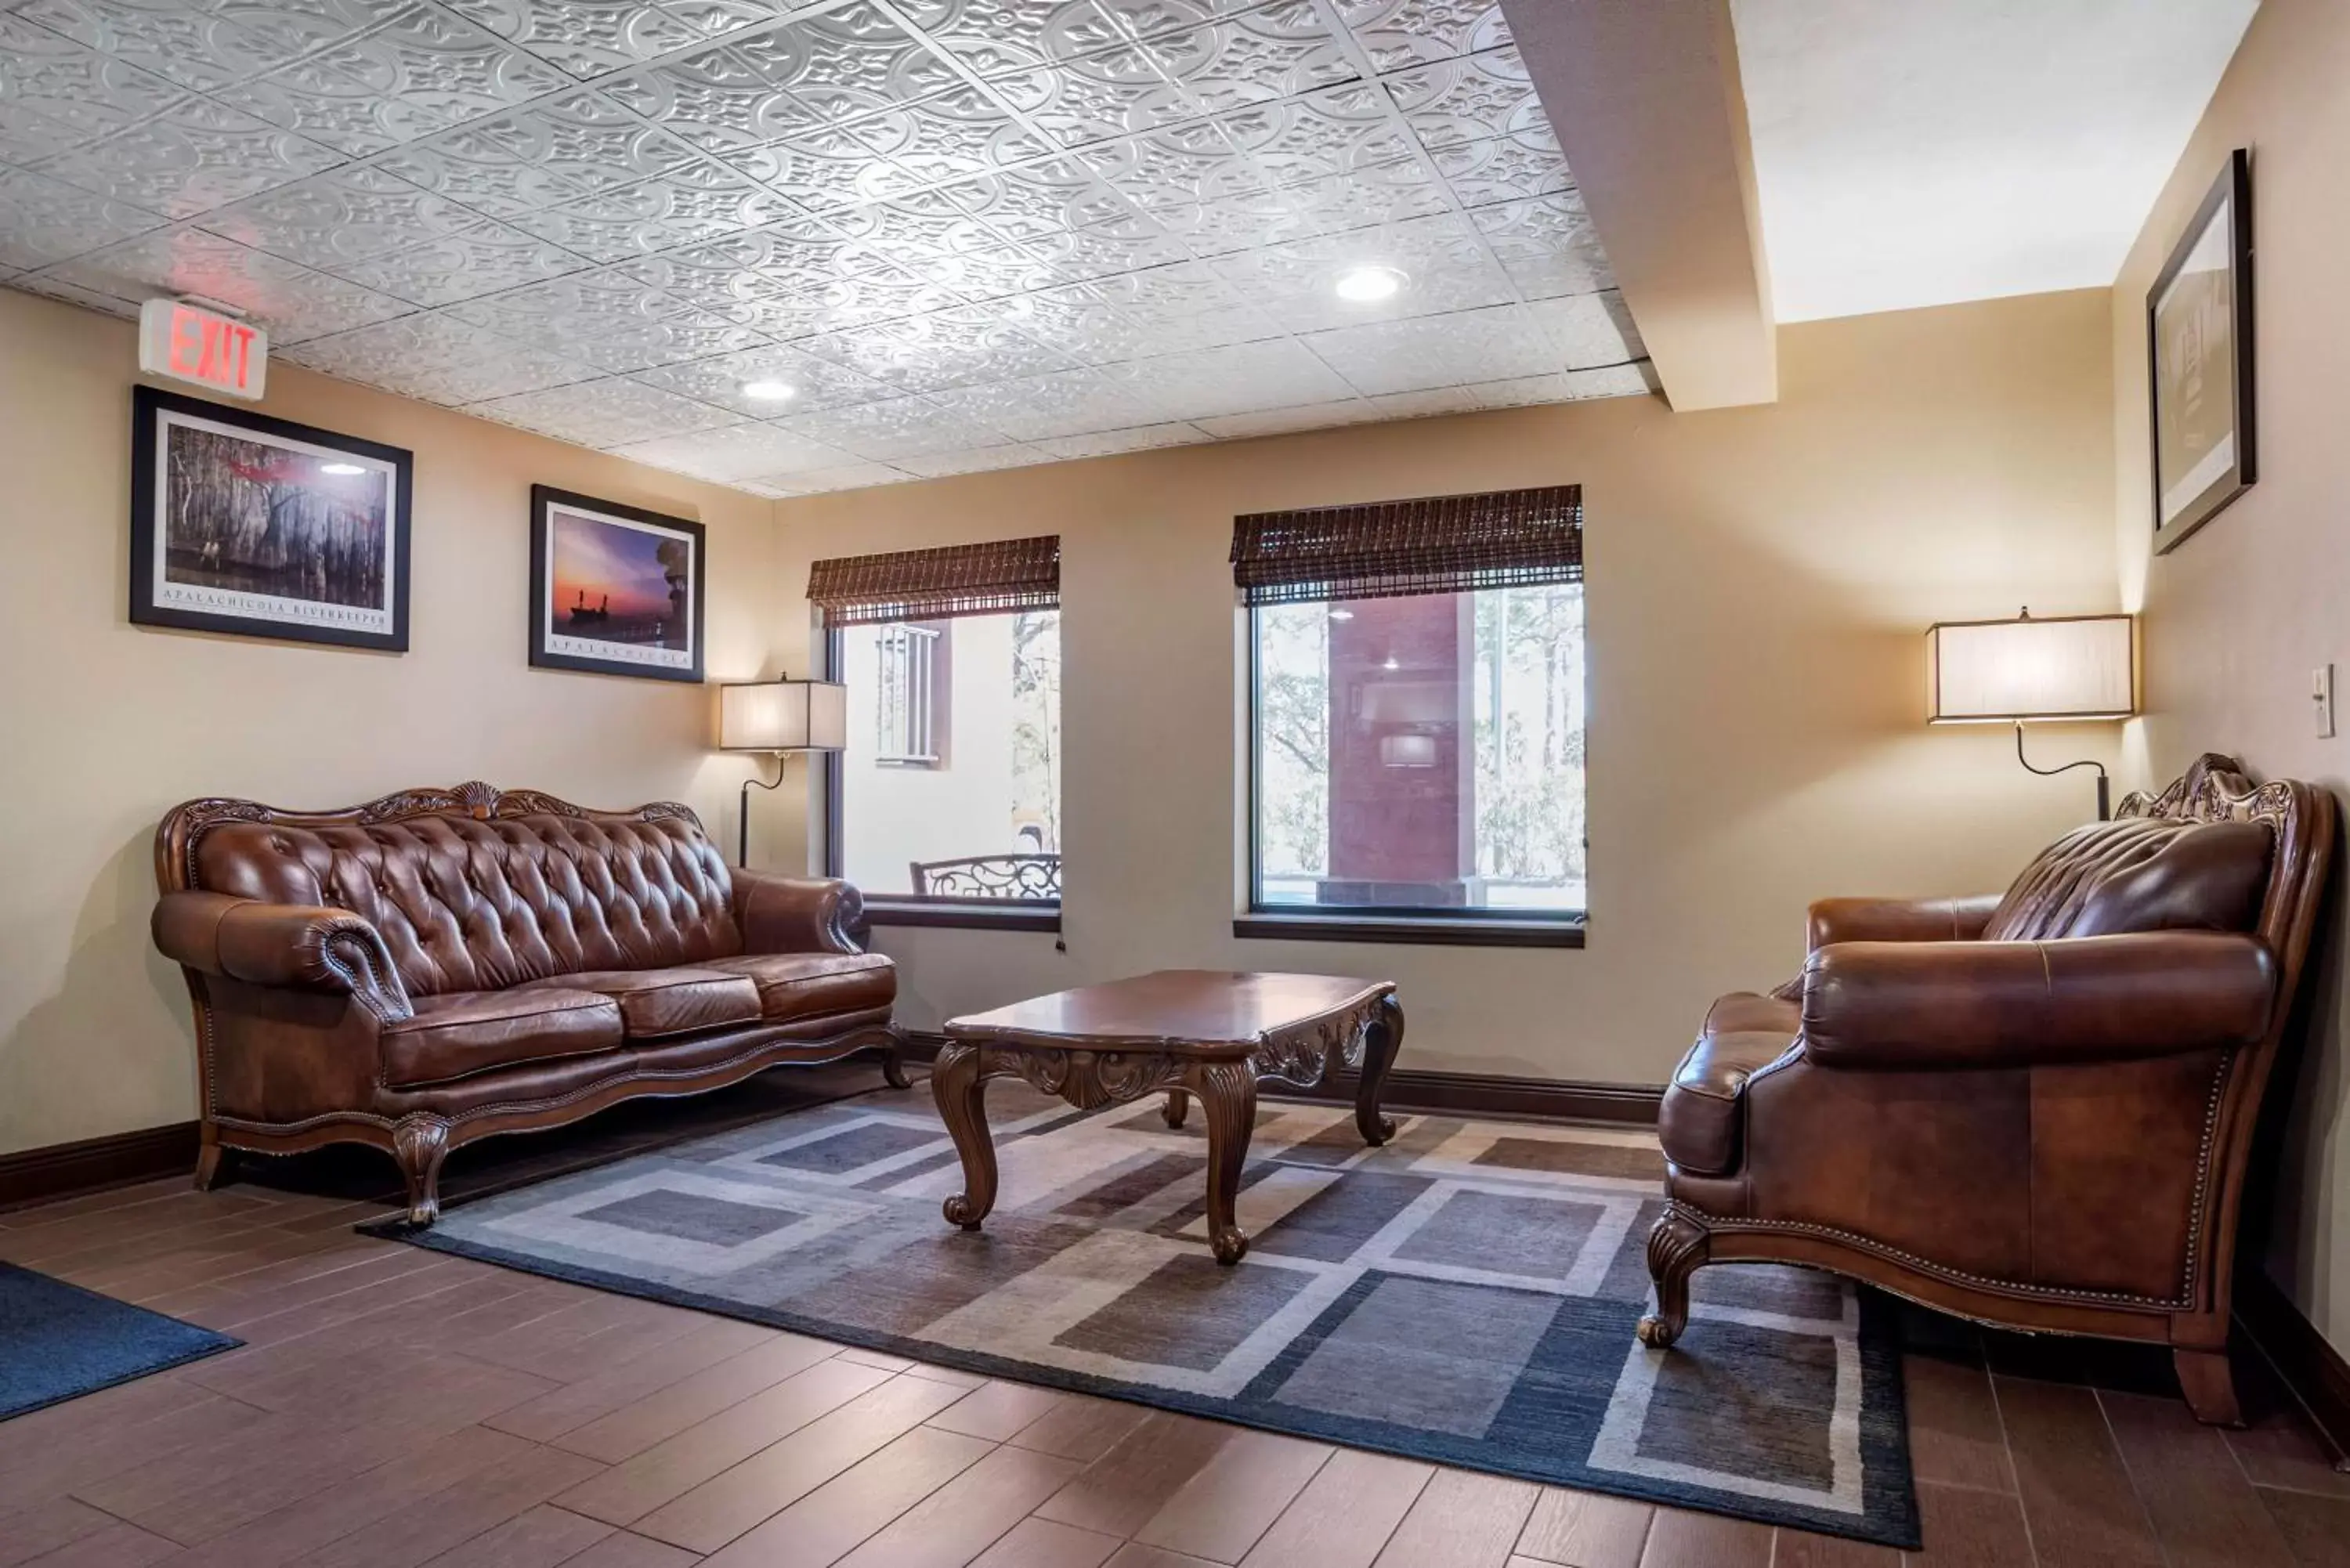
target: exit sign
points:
(189, 343)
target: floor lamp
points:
(2060, 669)
(778, 717)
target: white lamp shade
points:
(784, 716)
(2012, 671)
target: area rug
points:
(1466, 1294)
(58, 1342)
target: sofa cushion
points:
(2139, 873)
(808, 985)
(656, 1003)
(460, 1033)
(1700, 1117)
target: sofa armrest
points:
(1899, 919)
(2020, 1004)
(796, 914)
(294, 945)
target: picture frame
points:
(2199, 340)
(585, 552)
(256, 526)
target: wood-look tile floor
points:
(396, 1407)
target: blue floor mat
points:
(58, 1342)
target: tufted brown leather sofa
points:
(2033, 1109)
(443, 965)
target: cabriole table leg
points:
(960, 1087)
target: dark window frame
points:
(1424, 925)
(907, 909)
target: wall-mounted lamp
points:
(2062, 670)
(781, 717)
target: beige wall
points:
(104, 725)
(2237, 616)
(1759, 581)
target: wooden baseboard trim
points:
(2314, 1371)
(68, 1170)
(1465, 1094)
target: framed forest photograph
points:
(2198, 328)
(614, 589)
(262, 527)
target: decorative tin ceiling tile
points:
(1286, 421)
(27, 138)
(690, 205)
(821, 480)
(1547, 245)
(292, 302)
(934, 352)
(978, 460)
(553, 152)
(969, 233)
(1437, 263)
(193, 45)
(1589, 329)
(813, 383)
(846, 62)
(736, 452)
(1273, 52)
(1000, 38)
(89, 94)
(1500, 169)
(1400, 33)
(898, 428)
(44, 220)
(1106, 443)
(607, 414)
(1240, 379)
(1120, 93)
(482, 259)
(1060, 403)
(611, 322)
(72, 294)
(1437, 350)
(1469, 99)
(1635, 379)
(192, 157)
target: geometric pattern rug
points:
(1465, 1294)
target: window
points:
(911, 661)
(946, 807)
(1418, 718)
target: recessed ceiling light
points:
(1342, 615)
(770, 391)
(1366, 284)
(1391, 663)
(340, 468)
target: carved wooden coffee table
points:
(1206, 1033)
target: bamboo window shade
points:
(1438, 545)
(996, 578)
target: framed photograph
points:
(259, 526)
(614, 589)
(2199, 341)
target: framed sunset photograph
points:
(614, 589)
(262, 527)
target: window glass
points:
(951, 785)
(1421, 754)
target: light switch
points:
(2321, 699)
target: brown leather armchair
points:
(2032, 1110)
(439, 966)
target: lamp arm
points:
(2104, 786)
(742, 817)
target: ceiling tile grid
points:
(965, 235)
